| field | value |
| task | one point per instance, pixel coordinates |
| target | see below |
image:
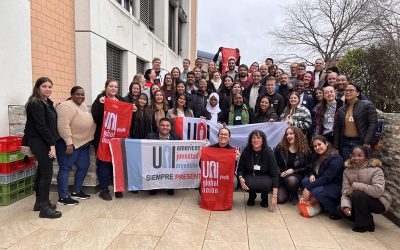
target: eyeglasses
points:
(356, 156)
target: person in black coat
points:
(325, 180)
(292, 157)
(143, 121)
(257, 171)
(355, 123)
(264, 112)
(40, 136)
(305, 100)
(104, 169)
(164, 133)
(200, 99)
(134, 92)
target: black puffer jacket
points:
(199, 104)
(365, 119)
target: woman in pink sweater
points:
(76, 129)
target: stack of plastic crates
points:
(16, 172)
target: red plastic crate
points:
(16, 166)
(10, 143)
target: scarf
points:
(213, 110)
(216, 84)
(244, 115)
(159, 112)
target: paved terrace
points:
(142, 221)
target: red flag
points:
(228, 53)
(117, 120)
(216, 183)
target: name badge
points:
(238, 118)
(169, 98)
(351, 119)
(257, 167)
(330, 119)
(304, 102)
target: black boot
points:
(36, 207)
(47, 212)
(264, 200)
(252, 199)
(294, 198)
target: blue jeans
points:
(347, 147)
(327, 195)
(80, 158)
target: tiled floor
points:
(142, 221)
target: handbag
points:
(309, 207)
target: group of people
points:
(329, 121)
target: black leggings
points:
(288, 186)
(44, 171)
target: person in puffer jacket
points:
(363, 190)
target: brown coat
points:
(368, 178)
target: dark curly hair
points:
(300, 141)
(261, 134)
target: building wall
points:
(390, 155)
(193, 32)
(15, 57)
(53, 44)
(98, 22)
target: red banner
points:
(228, 53)
(216, 182)
(117, 120)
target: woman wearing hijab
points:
(213, 112)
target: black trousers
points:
(362, 208)
(258, 184)
(44, 171)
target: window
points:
(129, 5)
(171, 27)
(140, 66)
(114, 65)
(147, 13)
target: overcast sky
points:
(239, 24)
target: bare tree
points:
(325, 28)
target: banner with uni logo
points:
(199, 129)
(217, 173)
(155, 164)
(116, 124)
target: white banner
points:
(161, 164)
(199, 129)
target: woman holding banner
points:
(292, 154)
(104, 169)
(143, 121)
(257, 171)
